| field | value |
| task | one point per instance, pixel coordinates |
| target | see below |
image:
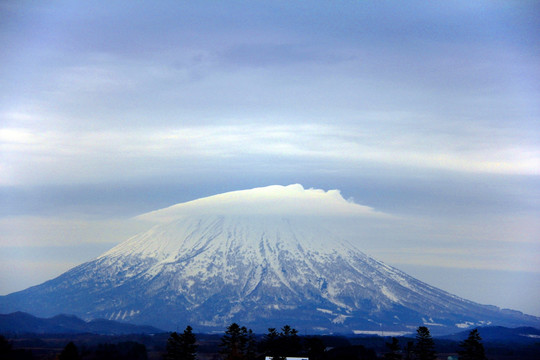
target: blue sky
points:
(427, 111)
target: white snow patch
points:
(464, 325)
(381, 333)
(326, 311)
(340, 319)
(389, 294)
(430, 322)
(320, 328)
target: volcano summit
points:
(258, 257)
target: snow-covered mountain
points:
(257, 257)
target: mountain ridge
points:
(523, 334)
(21, 323)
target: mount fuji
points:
(260, 258)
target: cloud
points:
(268, 86)
(32, 156)
(291, 200)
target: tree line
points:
(239, 343)
(424, 348)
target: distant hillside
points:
(500, 334)
(20, 323)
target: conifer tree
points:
(409, 350)
(251, 347)
(182, 346)
(290, 341)
(425, 347)
(70, 352)
(315, 348)
(280, 345)
(234, 343)
(272, 346)
(5, 346)
(472, 348)
(393, 350)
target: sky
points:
(427, 112)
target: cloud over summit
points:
(291, 200)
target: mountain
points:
(20, 322)
(258, 257)
(500, 334)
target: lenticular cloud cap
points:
(291, 200)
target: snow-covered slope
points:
(260, 258)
